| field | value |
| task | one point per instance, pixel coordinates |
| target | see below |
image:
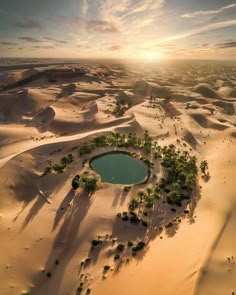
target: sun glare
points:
(151, 56)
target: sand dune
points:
(228, 108)
(43, 118)
(228, 92)
(205, 122)
(148, 88)
(67, 90)
(47, 227)
(11, 106)
(206, 91)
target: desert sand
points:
(47, 227)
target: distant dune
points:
(148, 88)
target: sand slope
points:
(43, 220)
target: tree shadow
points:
(66, 242)
(118, 267)
(33, 211)
(161, 219)
(24, 187)
(124, 195)
(117, 193)
(94, 253)
(206, 177)
(26, 191)
(63, 207)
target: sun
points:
(151, 56)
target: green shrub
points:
(130, 244)
(138, 247)
(120, 247)
(125, 218)
(127, 188)
(133, 204)
(134, 219)
(170, 224)
(144, 223)
(95, 242)
(47, 171)
(75, 182)
(106, 267)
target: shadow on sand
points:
(66, 242)
(162, 219)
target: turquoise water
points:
(119, 168)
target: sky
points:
(127, 29)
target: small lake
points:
(119, 168)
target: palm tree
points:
(133, 204)
(64, 161)
(141, 195)
(75, 182)
(149, 191)
(70, 158)
(90, 183)
(204, 167)
(191, 180)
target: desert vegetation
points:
(88, 181)
(59, 168)
(120, 108)
(177, 185)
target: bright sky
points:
(149, 29)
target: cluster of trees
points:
(59, 168)
(86, 148)
(178, 181)
(120, 108)
(121, 140)
(179, 168)
(180, 175)
(87, 181)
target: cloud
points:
(111, 9)
(208, 12)
(130, 16)
(200, 30)
(8, 43)
(30, 39)
(100, 26)
(44, 47)
(115, 47)
(95, 26)
(226, 44)
(29, 23)
(56, 40)
(77, 23)
(85, 7)
(148, 5)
